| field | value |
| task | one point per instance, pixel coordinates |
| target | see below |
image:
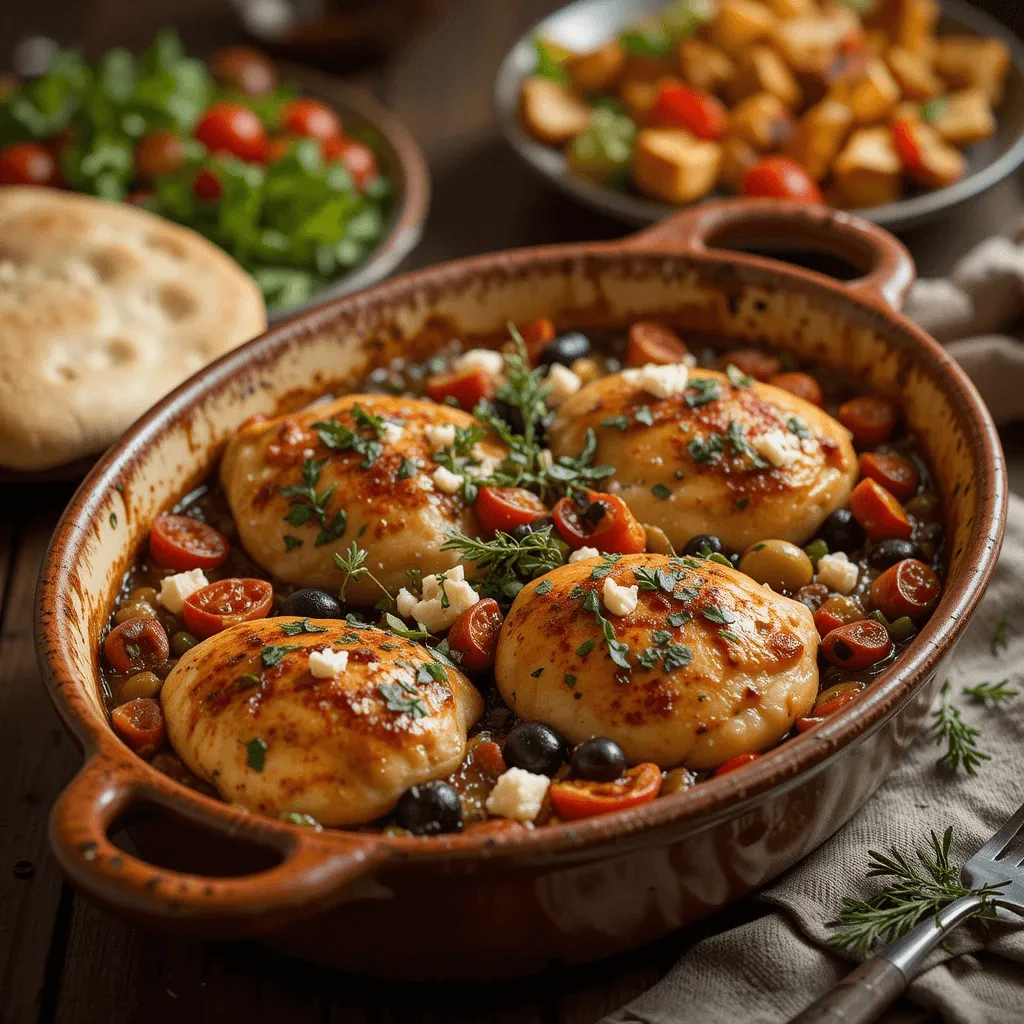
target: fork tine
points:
(995, 846)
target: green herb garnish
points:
(661, 492)
(304, 626)
(508, 563)
(644, 415)
(272, 654)
(353, 567)
(308, 503)
(702, 390)
(999, 641)
(616, 423)
(995, 692)
(737, 378)
(959, 738)
(256, 754)
(403, 698)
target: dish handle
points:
(888, 268)
(312, 873)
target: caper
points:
(783, 566)
(182, 642)
(142, 684)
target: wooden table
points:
(61, 960)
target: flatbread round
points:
(104, 308)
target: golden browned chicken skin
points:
(394, 509)
(731, 679)
(342, 749)
(725, 493)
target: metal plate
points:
(586, 24)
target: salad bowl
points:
(512, 900)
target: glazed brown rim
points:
(316, 866)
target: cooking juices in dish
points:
(527, 585)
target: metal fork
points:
(864, 993)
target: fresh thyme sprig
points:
(948, 727)
(353, 567)
(994, 692)
(508, 563)
(913, 893)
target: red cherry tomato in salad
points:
(803, 385)
(207, 185)
(778, 177)
(474, 634)
(880, 514)
(682, 106)
(899, 476)
(466, 387)
(869, 418)
(505, 508)
(357, 159)
(601, 521)
(182, 543)
(140, 723)
(136, 645)
(908, 588)
(735, 762)
(311, 118)
(245, 69)
(226, 603)
(28, 163)
(232, 128)
(857, 645)
(572, 799)
(649, 342)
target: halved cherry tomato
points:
(505, 508)
(926, 157)
(245, 69)
(822, 710)
(735, 762)
(536, 334)
(356, 158)
(466, 387)
(207, 185)
(681, 106)
(488, 758)
(869, 418)
(649, 342)
(475, 635)
(181, 542)
(140, 723)
(880, 514)
(159, 153)
(310, 118)
(803, 385)
(753, 362)
(576, 798)
(857, 645)
(28, 163)
(907, 588)
(226, 603)
(601, 521)
(778, 177)
(899, 476)
(137, 645)
(837, 611)
(232, 128)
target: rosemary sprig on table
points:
(995, 692)
(949, 728)
(999, 641)
(912, 893)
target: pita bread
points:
(104, 308)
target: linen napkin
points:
(771, 968)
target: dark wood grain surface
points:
(61, 960)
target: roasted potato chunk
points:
(761, 69)
(971, 62)
(739, 24)
(964, 117)
(915, 78)
(909, 23)
(597, 71)
(738, 156)
(672, 165)
(704, 66)
(870, 94)
(819, 135)
(550, 112)
(808, 45)
(762, 120)
(793, 8)
(867, 170)
(926, 158)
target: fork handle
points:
(866, 991)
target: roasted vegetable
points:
(913, 74)
(925, 157)
(598, 71)
(867, 170)
(973, 62)
(762, 120)
(551, 112)
(870, 94)
(761, 69)
(603, 151)
(963, 118)
(673, 165)
(704, 66)
(818, 137)
(740, 24)
(738, 156)
(808, 45)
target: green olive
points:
(135, 610)
(142, 684)
(676, 780)
(182, 642)
(783, 566)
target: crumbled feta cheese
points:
(545, 459)
(391, 432)
(492, 363)
(327, 664)
(406, 603)
(428, 610)
(777, 447)
(660, 381)
(447, 481)
(837, 572)
(580, 554)
(563, 383)
(488, 464)
(518, 794)
(440, 435)
(617, 599)
(175, 589)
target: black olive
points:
(697, 545)
(511, 414)
(889, 552)
(312, 603)
(735, 559)
(593, 513)
(841, 532)
(430, 809)
(523, 530)
(565, 349)
(598, 759)
(534, 747)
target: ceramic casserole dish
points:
(510, 901)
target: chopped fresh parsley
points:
(737, 378)
(644, 415)
(661, 492)
(290, 542)
(584, 648)
(393, 624)
(677, 619)
(617, 650)
(403, 698)
(544, 587)
(308, 503)
(272, 654)
(256, 754)
(407, 468)
(599, 572)
(537, 672)
(718, 615)
(432, 670)
(569, 679)
(340, 438)
(701, 391)
(304, 626)
(616, 422)
(798, 427)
